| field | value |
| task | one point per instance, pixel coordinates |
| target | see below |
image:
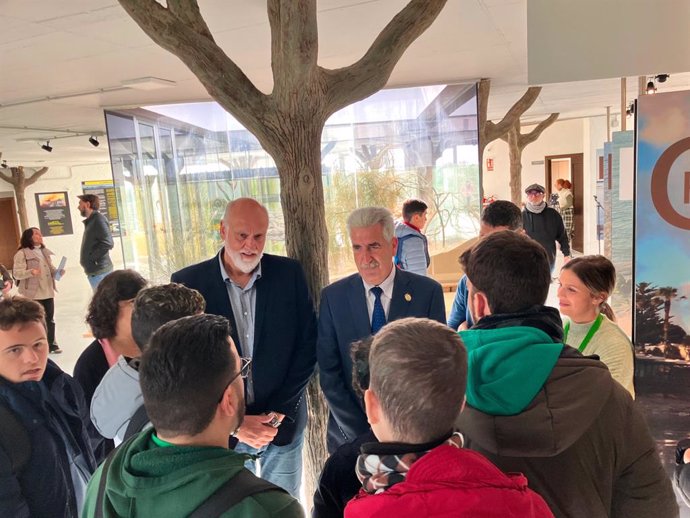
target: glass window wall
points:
(177, 166)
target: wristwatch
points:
(275, 421)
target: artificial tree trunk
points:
(490, 131)
(517, 142)
(19, 181)
(289, 121)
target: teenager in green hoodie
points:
(537, 406)
(192, 382)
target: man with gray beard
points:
(273, 322)
(358, 306)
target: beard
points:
(243, 264)
(82, 212)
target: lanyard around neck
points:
(592, 330)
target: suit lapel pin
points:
(408, 297)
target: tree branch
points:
(521, 106)
(6, 178)
(181, 31)
(528, 138)
(294, 43)
(371, 72)
(188, 12)
(35, 176)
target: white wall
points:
(67, 179)
(595, 136)
(561, 138)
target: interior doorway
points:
(569, 167)
(9, 236)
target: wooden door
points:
(9, 231)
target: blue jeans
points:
(280, 465)
(94, 280)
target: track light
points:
(651, 87)
(662, 77)
(47, 147)
(93, 141)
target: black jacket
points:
(546, 228)
(338, 483)
(284, 335)
(54, 414)
(96, 244)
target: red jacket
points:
(453, 482)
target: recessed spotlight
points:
(47, 147)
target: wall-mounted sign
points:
(105, 190)
(54, 218)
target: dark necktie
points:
(378, 317)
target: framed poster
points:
(54, 218)
(105, 190)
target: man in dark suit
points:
(265, 298)
(358, 306)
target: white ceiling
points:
(72, 46)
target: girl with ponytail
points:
(586, 283)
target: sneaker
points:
(55, 349)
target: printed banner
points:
(54, 218)
(105, 190)
(662, 266)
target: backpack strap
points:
(98, 513)
(137, 423)
(239, 487)
(14, 439)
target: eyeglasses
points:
(244, 372)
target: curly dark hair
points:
(118, 286)
(26, 241)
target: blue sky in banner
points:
(663, 250)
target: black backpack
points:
(14, 440)
(231, 493)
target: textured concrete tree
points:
(289, 121)
(508, 129)
(19, 181)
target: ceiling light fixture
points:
(4, 163)
(93, 141)
(651, 87)
(148, 83)
(662, 77)
(47, 147)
